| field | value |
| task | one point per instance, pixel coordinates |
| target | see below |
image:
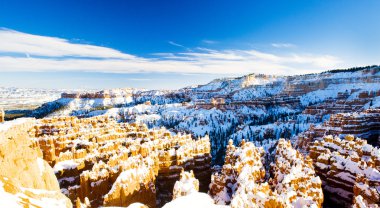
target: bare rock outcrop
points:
(26, 179)
(365, 124)
(349, 169)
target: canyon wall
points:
(26, 179)
(365, 124)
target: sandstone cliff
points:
(26, 179)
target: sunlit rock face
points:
(365, 124)
(26, 180)
(2, 115)
(349, 169)
(189, 155)
(243, 182)
(117, 164)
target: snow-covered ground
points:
(12, 98)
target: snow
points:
(188, 184)
(349, 167)
(27, 98)
(4, 126)
(375, 103)
(253, 92)
(360, 202)
(63, 165)
(126, 177)
(136, 205)
(18, 199)
(7, 199)
(333, 89)
(41, 165)
(196, 199)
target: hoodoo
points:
(242, 182)
(117, 164)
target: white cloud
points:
(283, 45)
(139, 79)
(210, 41)
(36, 45)
(56, 54)
(175, 44)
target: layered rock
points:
(243, 182)
(117, 164)
(26, 179)
(276, 100)
(348, 168)
(365, 124)
(185, 155)
(342, 103)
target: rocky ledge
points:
(349, 169)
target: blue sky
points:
(171, 44)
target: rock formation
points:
(185, 193)
(360, 202)
(2, 115)
(365, 125)
(342, 103)
(186, 185)
(349, 169)
(117, 164)
(242, 181)
(26, 180)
